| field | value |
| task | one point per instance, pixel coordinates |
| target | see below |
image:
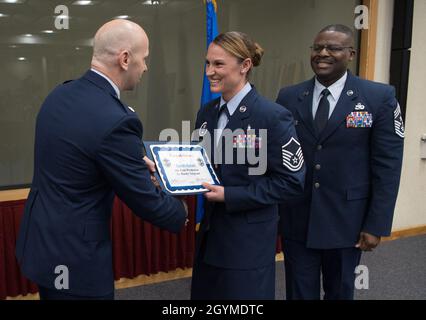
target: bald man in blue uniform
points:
(88, 148)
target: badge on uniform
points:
(249, 141)
(292, 155)
(239, 141)
(359, 106)
(359, 119)
(398, 122)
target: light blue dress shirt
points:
(232, 106)
(335, 92)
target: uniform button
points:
(319, 147)
(317, 185)
(317, 167)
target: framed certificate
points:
(182, 168)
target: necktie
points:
(222, 120)
(321, 117)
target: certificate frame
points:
(153, 150)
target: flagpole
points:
(207, 95)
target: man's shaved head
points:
(115, 36)
(120, 48)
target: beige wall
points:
(384, 41)
(411, 207)
(294, 25)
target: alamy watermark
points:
(62, 20)
(238, 146)
(62, 281)
(362, 278)
(361, 19)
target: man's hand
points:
(150, 164)
(367, 241)
(215, 194)
(185, 205)
(151, 167)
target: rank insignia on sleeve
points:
(398, 122)
(292, 155)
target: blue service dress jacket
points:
(242, 231)
(88, 148)
(353, 165)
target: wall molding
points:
(367, 55)
(15, 194)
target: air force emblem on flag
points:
(398, 122)
(292, 155)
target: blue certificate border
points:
(181, 190)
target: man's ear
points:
(352, 54)
(246, 65)
(123, 59)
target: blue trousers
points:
(214, 283)
(304, 266)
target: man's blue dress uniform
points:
(236, 244)
(352, 180)
(88, 148)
